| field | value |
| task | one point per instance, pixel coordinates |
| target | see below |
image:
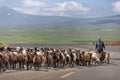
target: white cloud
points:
(69, 6)
(37, 7)
(33, 3)
(116, 6)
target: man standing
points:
(99, 46)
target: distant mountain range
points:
(10, 18)
(104, 22)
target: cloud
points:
(116, 6)
(37, 7)
(69, 6)
(34, 3)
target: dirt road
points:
(102, 72)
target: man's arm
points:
(103, 45)
(95, 45)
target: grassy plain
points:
(57, 36)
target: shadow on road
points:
(115, 58)
(113, 64)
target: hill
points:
(12, 19)
(104, 22)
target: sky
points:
(72, 8)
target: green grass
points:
(55, 36)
